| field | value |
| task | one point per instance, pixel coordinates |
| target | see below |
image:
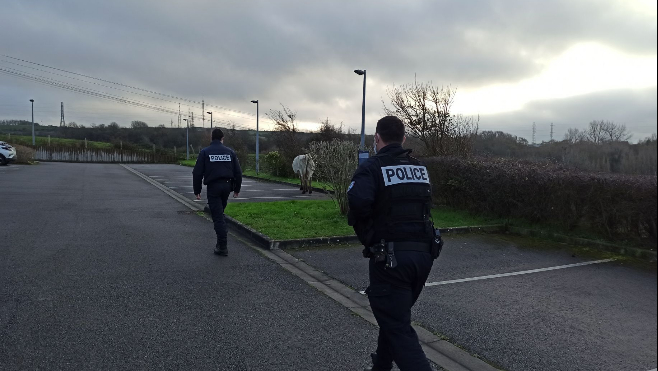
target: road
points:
(599, 316)
(100, 270)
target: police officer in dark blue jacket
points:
(219, 168)
(390, 202)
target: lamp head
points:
(210, 113)
(254, 101)
(359, 72)
(32, 100)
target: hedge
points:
(620, 207)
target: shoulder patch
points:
(351, 185)
(220, 158)
(400, 174)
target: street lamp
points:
(187, 133)
(257, 134)
(33, 138)
(210, 113)
(363, 110)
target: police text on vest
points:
(220, 158)
(404, 174)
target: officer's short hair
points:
(217, 134)
(390, 129)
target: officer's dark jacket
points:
(216, 163)
(390, 198)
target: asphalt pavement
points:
(100, 271)
(526, 306)
(179, 179)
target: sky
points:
(515, 63)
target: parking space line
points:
(519, 273)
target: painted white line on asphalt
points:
(252, 190)
(655, 369)
(518, 273)
(286, 189)
(199, 200)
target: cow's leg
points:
(301, 182)
(310, 185)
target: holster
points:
(437, 244)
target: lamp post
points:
(210, 113)
(33, 138)
(363, 110)
(257, 137)
(187, 133)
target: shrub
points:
(620, 207)
(274, 164)
(24, 155)
(335, 163)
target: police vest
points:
(402, 211)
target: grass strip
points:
(283, 220)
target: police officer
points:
(219, 168)
(390, 202)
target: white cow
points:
(304, 166)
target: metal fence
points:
(60, 154)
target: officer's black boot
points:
(376, 364)
(221, 249)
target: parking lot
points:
(179, 179)
(525, 307)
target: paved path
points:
(179, 179)
(490, 297)
(100, 271)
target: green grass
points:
(308, 219)
(58, 142)
(285, 220)
(449, 218)
(189, 163)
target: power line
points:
(82, 90)
(105, 86)
(129, 86)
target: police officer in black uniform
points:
(219, 168)
(390, 202)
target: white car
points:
(7, 153)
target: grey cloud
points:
(302, 53)
(634, 108)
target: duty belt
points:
(412, 246)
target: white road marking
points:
(518, 273)
(173, 187)
(156, 176)
(252, 190)
(286, 189)
(199, 200)
(655, 369)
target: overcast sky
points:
(513, 62)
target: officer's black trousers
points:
(392, 293)
(218, 193)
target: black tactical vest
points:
(402, 209)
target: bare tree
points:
(607, 131)
(286, 136)
(575, 136)
(425, 110)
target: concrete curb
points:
(440, 352)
